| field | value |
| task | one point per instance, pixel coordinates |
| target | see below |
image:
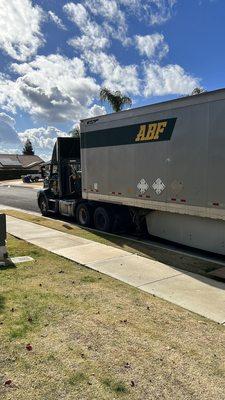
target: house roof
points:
(34, 164)
(18, 161)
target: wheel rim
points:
(82, 216)
(43, 206)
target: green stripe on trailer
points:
(153, 131)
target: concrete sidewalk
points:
(191, 291)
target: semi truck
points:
(160, 166)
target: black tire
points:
(43, 205)
(121, 220)
(84, 215)
(103, 219)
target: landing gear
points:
(139, 221)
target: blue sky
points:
(55, 55)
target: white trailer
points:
(167, 162)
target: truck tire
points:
(103, 219)
(84, 215)
(43, 205)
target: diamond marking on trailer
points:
(142, 186)
(158, 186)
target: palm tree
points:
(116, 100)
(75, 132)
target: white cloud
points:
(110, 19)
(171, 79)
(97, 35)
(97, 110)
(7, 119)
(8, 134)
(108, 9)
(56, 89)
(11, 95)
(93, 36)
(114, 76)
(53, 88)
(77, 13)
(85, 42)
(20, 34)
(56, 20)
(42, 138)
(114, 19)
(155, 12)
(153, 46)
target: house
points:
(12, 166)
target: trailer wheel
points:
(83, 215)
(102, 219)
(43, 205)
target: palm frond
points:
(115, 99)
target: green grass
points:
(117, 387)
(88, 279)
(99, 339)
(77, 378)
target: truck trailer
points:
(161, 166)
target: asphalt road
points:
(19, 197)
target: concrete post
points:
(3, 251)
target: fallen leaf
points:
(29, 347)
(8, 382)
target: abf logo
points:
(151, 131)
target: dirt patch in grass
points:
(173, 259)
(78, 334)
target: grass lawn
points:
(93, 337)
